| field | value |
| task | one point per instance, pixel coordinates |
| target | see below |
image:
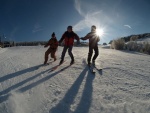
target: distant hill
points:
(135, 37)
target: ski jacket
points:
(93, 39)
(68, 38)
(53, 43)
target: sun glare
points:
(100, 32)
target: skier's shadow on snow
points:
(4, 94)
(23, 89)
(18, 73)
(5, 91)
(64, 106)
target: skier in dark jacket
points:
(53, 43)
(68, 38)
(93, 44)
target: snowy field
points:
(123, 86)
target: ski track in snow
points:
(26, 86)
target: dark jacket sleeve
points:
(89, 35)
(47, 43)
(86, 37)
(76, 37)
(62, 38)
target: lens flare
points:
(100, 32)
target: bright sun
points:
(100, 32)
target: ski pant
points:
(69, 52)
(91, 53)
(52, 52)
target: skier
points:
(68, 38)
(93, 44)
(53, 43)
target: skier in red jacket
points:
(68, 38)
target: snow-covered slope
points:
(146, 40)
(123, 86)
(2, 50)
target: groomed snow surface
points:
(26, 86)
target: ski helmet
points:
(93, 28)
(69, 27)
(53, 34)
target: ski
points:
(91, 68)
(97, 67)
(55, 67)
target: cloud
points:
(78, 7)
(91, 15)
(128, 26)
(37, 28)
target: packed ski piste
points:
(91, 79)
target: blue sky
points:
(35, 20)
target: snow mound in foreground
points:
(26, 86)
